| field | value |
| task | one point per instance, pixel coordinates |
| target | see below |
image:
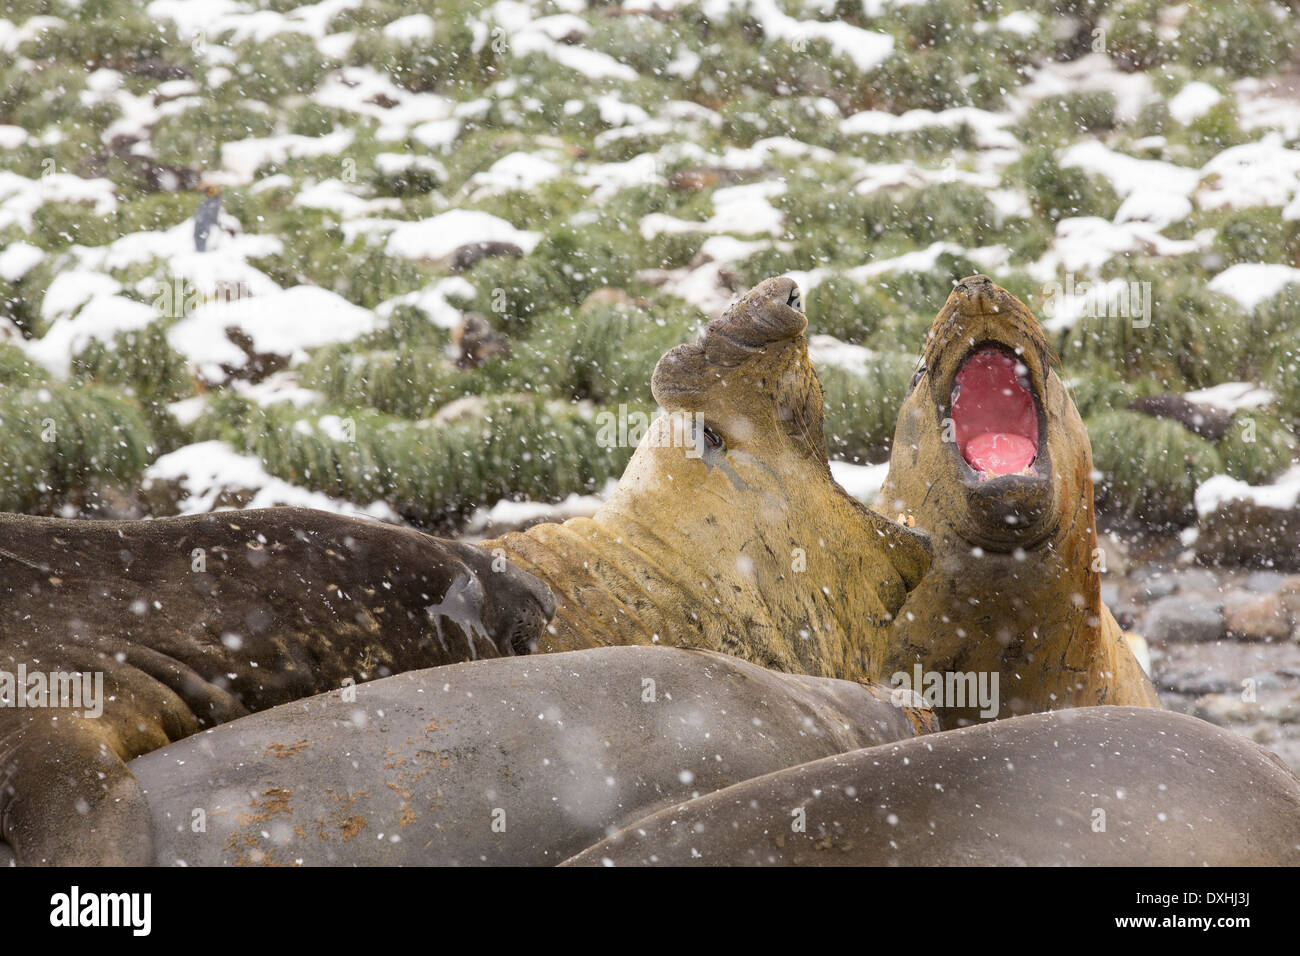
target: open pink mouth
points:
(994, 416)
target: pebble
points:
(1256, 617)
(1181, 618)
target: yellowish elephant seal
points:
(991, 458)
(727, 531)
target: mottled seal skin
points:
(518, 761)
(1169, 790)
(741, 542)
(194, 621)
(1014, 587)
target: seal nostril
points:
(795, 301)
(976, 285)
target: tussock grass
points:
(862, 410)
(1149, 467)
(61, 442)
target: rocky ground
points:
(1224, 642)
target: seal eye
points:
(916, 378)
(712, 439)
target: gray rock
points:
(1197, 581)
(1217, 668)
(1110, 596)
(1154, 585)
(1264, 581)
(1183, 619)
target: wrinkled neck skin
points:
(1025, 605)
(764, 559)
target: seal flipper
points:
(67, 797)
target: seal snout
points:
(768, 314)
(979, 294)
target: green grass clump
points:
(1195, 338)
(1150, 467)
(408, 383)
(1259, 234)
(60, 224)
(1257, 447)
(63, 442)
(436, 475)
(1282, 376)
(848, 310)
(1097, 390)
(862, 410)
(1059, 120)
(602, 353)
(141, 362)
(1056, 192)
(17, 370)
(1243, 38)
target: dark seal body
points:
(194, 621)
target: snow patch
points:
(441, 235)
(1221, 489)
(207, 469)
(1252, 283)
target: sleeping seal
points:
(184, 623)
(1099, 786)
(512, 761)
(991, 458)
(727, 533)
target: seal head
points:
(991, 458)
(1012, 457)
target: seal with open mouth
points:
(726, 533)
(991, 458)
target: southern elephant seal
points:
(727, 532)
(153, 630)
(991, 458)
(519, 761)
(1093, 786)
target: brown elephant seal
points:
(727, 531)
(1100, 786)
(154, 630)
(991, 458)
(512, 761)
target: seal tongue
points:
(994, 416)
